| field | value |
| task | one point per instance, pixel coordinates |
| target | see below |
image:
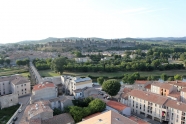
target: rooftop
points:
(183, 90)
(148, 96)
(42, 86)
(141, 81)
(116, 105)
(178, 83)
(138, 120)
(176, 105)
(174, 94)
(93, 115)
(162, 85)
(60, 119)
(109, 117)
(20, 80)
(148, 86)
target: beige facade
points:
(183, 95)
(8, 100)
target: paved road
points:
(24, 100)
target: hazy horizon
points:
(35, 20)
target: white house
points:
(47, 90)
(118, 107)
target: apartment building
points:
(82, 59)
(9, 85)
(149, 104)
(46, 90)
(141, 84)
(176, 112)
(71, 84)
(21, 86)
(179, 84)
(163, 89)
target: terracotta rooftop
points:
(163, 85)
(183, 90)
(60, 119)
(148, 96)
(126, 90)
(116, 105)
(176, 105)
(138, 120)
(42, 86)
(90, 116)
(109, 117)
(148, 86)
(178, 83)
(174, 94)
(141, 81)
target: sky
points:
(39, 19)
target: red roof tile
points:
(42, 86)
(141, 81)
(116, 105)
(148, 96)
(148, 86)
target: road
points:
(24, 101)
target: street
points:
(24, 101)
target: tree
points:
(1, 61)
(97, 105)
(18, 62)
(136, 75)
(58, 64)
(164, 76)
(177, 77)
(100, 80)
(111, 87)
(57, 111)
(7, 61)
(170, 79)
(77, 113)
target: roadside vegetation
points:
(7, 113)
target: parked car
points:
(19, 110)
(15, 118)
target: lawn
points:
(25, 74)
(49, 73)
(11, 71)
(6, 113)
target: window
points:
(17, 86)
(155, 105)
(25, 88)
(25, 84)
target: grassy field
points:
(49, 73)
(11, 71)
(6, 113)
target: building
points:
(61, 102)
(124, 95)
(148, 104)
(46, 90)
(21, 86)
(8, 100)
(183, 95)
(179, 84)
(41, 112)
(10, 87)
(141, 84)
(83, 59)
(109, 117)
(72, 84)
(163, 89)
(176, 112)
(118, 107)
